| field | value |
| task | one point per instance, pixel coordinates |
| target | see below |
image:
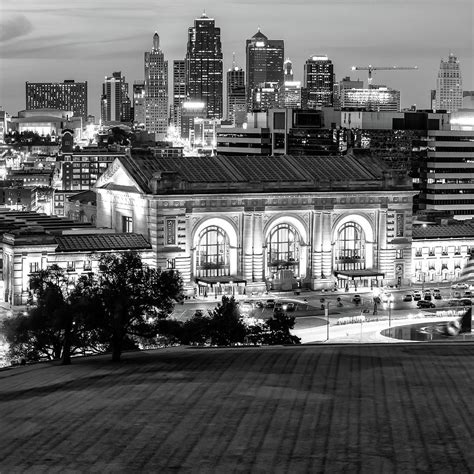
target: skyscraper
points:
(179, 91)
(204, 66)
(156, 90)
(115, 103)
(449, 85)
(264, 63)
(236, 97)
(288, 70)
(319, 81)
(67, 95)
(139, 109)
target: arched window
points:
(350, 247)
(212, 252)
(283, 249)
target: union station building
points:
(245, 224)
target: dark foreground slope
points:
(282, 409)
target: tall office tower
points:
(115, 104)
(449, 85)
(288, 71)
(156, 91)
(236, 95)
(319, 81)
(139, 103)
(204, 66)
(345, 83)
(179, 91)
(264, 64)
(67, 95)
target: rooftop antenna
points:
(233, 59)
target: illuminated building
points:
(67, 95)
(191, 110)
(319, 81)
(288, 71)
(264, 64)
(248, 223)
(447, 173)
(156, 91)
(251, 141)
(265, 96)
(139, 108)
(449, 85)
(31, 242)
(236, 96)
(345, 83)
(46, 122)
(289, 95)
(376, 98)
(204, 66)
(179, 91)
(115, 103)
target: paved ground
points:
(351, 408)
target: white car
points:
(460, 286)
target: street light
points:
(390, 301)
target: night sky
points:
(85, 40)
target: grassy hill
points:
(277, 409)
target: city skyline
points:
(51, 43)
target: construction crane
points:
(371, 68)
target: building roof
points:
(101, 242)
(84, 197)
(257, 173)
(443, 231)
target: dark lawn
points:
(374, 409)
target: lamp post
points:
(390, 301)
(326, 314)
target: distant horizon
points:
(86, 41)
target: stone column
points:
(247, 247)
(317, 245)
(326, 245)
(258, 241)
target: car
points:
(290, 306)
(408, 298)
(416, 296)
(259, 304)
(437, 294)
(465, 302)
(427, 297)
(425, 304)
(356, 299)
(467, 294)
(270, 303)
(460, 286)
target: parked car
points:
(465, 302)
(460, 286)
(270, 304)
(467, 294)
(427, 297)
(425, 304)
(416, 296)
(437, 294)
(290, 306)
(356, 299)
(408, 298)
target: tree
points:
(42, 331)
(227, 327)
(279, 326)
(133, 297)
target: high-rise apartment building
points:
(204, 66)
(139, 107)
(156, 91)
(115, 103)
(319, 81)
(236, 95)
(449, 85)
(67, 95)
(179, 91)
(264, 64)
